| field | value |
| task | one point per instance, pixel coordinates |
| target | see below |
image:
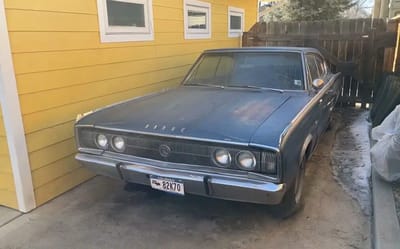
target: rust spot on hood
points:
(253, 111)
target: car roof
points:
(263, 49)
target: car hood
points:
(203, 113)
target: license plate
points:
(167, 185)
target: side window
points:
(327, 69)
(312, 66)
(320, 66)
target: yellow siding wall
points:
(62, 69)
(7, 189)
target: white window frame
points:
(233, 11)
(197, 6)
(124, 34)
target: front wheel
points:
(292, 202)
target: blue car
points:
(240, 127)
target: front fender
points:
(308, 141)
(294, 146)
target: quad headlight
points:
(246, 160)
(104, 142)
(101, 141)
(222, 157)
(118, 144)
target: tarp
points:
(385, 154)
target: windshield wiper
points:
(208, 85)
(261, 88)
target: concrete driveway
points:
(99, 214)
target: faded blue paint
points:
(233, 115)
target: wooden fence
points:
(355, 47)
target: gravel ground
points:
(396, 193)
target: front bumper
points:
(228, 186)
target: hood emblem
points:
(164, 128)
(164, 150)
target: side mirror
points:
(318, 84)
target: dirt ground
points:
(99, 214)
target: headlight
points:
(222, 157)
(269, 163)
(101, 141)
(246, 160)
(118, 144)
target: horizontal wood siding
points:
(62, 69)
(7, 189)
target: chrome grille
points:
(180, 151)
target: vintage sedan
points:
(240, 127)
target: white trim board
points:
(12, 118)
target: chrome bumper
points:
(216, 185)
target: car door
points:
(317, 71)
(331, 94)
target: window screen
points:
(236, 22)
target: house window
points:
(235, 21)
(197, 19)
(125, 20)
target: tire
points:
(292, 202)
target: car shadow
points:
(170, 210)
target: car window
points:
(320, 66)
(312, 66)
(327, 69)
(279, 70)
(225, 66)
(206, 69)
(213, 69)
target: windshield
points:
(276, 70)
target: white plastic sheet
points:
(385, 154)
